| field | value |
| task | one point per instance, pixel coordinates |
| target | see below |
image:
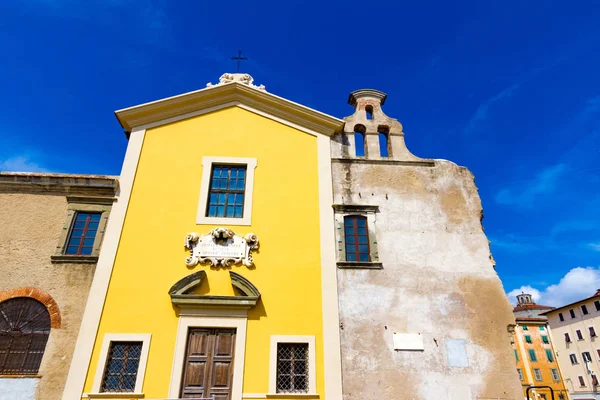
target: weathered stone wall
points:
(33, 211)
(438, 279)
(29, 233)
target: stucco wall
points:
(29, 233)
(438, 277)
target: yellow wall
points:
(542, 363)
(162, 210)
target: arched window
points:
(24, 330)
(369, 111)
(356, 236)
(359, 140)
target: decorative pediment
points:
(220, 247)
(182, 293)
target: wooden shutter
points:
(208, 368)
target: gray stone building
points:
(423, 314)
(50, 235)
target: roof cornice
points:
(231, 93)
(59, 184)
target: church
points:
(257, 248)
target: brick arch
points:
(39, 295)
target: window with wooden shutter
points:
(24, 331)
(356, 236)
(581, 381)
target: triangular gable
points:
(232, 93)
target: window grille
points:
(226, 194)
(356, 235)
(83, 234)
(24, 330)
(121, 368)
(292, 368)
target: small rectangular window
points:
(584, 310)
(545, 340)
(592, 331)
(120, 372)
(579, 334)
(542, 328)
(567, 338)
(555, 376)
(550, 356)
(572, 313)
(292, 368)
(538, 374)
(83, 234)
(356, 235)
(581, 381)
(528, 338)
(594, 380)
(520, 372)
(597, 305)
(227, 191)
(560, 316)
(586, 356)
(525, 328)
(573, 358)
(532, 356)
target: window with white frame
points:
(538, 374)
(226, 191)
(520, 372)
(122, 363)
(555, 375)
(293, 365)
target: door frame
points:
(201, 321)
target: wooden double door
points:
(208, 365)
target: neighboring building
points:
(422, 311)
(50, 235)
(574, 330)
(534, 353)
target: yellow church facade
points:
(217, 277)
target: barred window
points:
(24, 331)
(120, 372)
(356, 235)
(226, 194)
(292, 368)
(83, 234)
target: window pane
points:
(361, 222)
(350, 257)
(238, 212)
(363, 240)
(220, 211)
(121, 367)
(361, 231)
(79, 224)
(239, 199)
(229, 211)
(349, 231)
(352, 239)
(85, 251)
(363, 248)
(364, 257)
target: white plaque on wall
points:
(408, 341)
(220, 247)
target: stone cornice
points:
(230, 93)
(422, 163)
(59, 184)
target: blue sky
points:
(510, 89)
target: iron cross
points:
(238, 59)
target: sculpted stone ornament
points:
(220, 247)
(246, 79)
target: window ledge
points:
(17, 376)
(67, 259)
(359, 265)
(303, 395)
(115, 395)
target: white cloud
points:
(20, 164)
(577, 284)
(595, 246)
